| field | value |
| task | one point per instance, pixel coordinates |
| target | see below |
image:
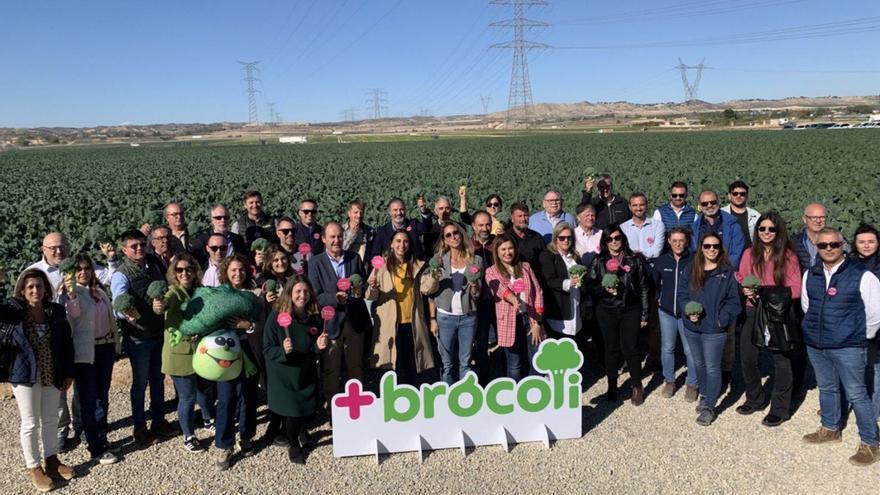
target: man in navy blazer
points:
(346, 330)
(398, 221)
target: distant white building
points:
(293, 140)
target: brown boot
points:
(638, 396)
(56, 469)
(822, 435)
(866, 455)
(144, 438)
(41, 482)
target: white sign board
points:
(465, 414)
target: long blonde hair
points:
(466, 251)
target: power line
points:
(681, 11)
(520, 96)
(249, 69)
(839, 28)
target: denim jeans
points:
(707, 350)
(846, 367)
(519, 355)
(145, 357)
(456, 340)
(671, 328)
(189, 391)
(227, 404)
(874, 373)
(92, 382)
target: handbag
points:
(775, 325)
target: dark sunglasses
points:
(704, 204)
(712, 246)
(493, 204)
(285, 231)
(826, 245)
(563, 238)
(772, 230)
(450, 235)
(616, 237)
(216, 248)
(221, 217)
(308, 212)
(181, 269)
(678, 196)
(740, 194)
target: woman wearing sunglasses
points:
(773, 261)
(493, 206)
(183, 278)
(563, 296)
(453, 308)
(709, 281)
(621, 308)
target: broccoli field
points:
(89, 193)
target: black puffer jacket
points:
(633, 288)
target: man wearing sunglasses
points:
(219, 225)
(677, 212)
(142, 333)
(610, 208)
(216, 249)
(841, 303)
(746, 217)
(286, 234)
(723, 224)
(56, 248)
(309, 231)
(815, 219)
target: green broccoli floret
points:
(693, 308)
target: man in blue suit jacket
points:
(346, 330)
(398, 221)
(713, 220)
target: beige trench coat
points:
(385, 319)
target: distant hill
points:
(546, 112)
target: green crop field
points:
(87, 192)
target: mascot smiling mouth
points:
(223, 363)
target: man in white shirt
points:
(645, 235)
(841, 303)
(56, 249)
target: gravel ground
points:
(656, 448)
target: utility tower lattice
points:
(349, 114)
(520, 98)
(484, 100)
(273, 117)
(249, 69)
(377, 99)
(690, 90)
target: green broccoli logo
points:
(557, 358)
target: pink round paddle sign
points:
(304, 249)
(327, 313)
(377, 262)
(612, 264)
(343, 284)
(518, 286)
(284, 319)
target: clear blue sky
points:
(89, 62)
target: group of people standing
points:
(443, 291)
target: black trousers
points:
(620, 332)
(750, 358)
(293, 427)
